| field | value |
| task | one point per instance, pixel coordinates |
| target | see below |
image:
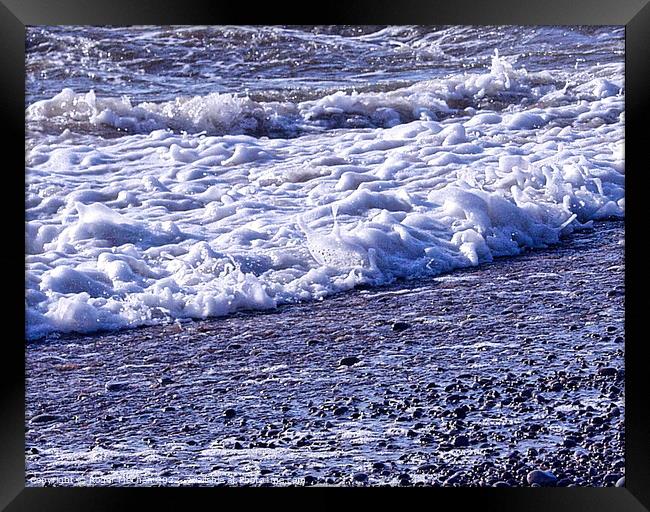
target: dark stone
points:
(44, 418)
(310, 480)
(607, 372)
(541, 478)
(229, 413)
(461, 441)
(349, 361)
(612, 478)
(116, 386)
(360, 477)
(461, 411)
(400, 326)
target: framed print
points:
(389, 248)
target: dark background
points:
(15, 14)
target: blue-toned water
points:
(189, 172)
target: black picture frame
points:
(634, 14)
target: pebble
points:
(607, 372)
(349, 361)
(44, 418)
(400, 326)
(461, 411)
(229, 413)
(612, 478)
(310, 480)
(461, 441)
(116, 386)
(542, 478)
(360, 477)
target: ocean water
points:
(190, 172)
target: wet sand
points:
(476, 378)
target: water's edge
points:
(496, 371)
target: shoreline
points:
(476, 377)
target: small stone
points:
(229, 413)
(612, 478)
(310, 480)
(339, 411)
(541, 478)
(461, 441)
(620, 482)
(461, 412)
(116, 386)
(400, 326)
(44, 418)
(404, 479)
(607, 372)
(360, 477)
(349, 361)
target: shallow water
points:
(524, 358)
(191, 172)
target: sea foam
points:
(191, 217)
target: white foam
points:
(160, 225)
(223, 113)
